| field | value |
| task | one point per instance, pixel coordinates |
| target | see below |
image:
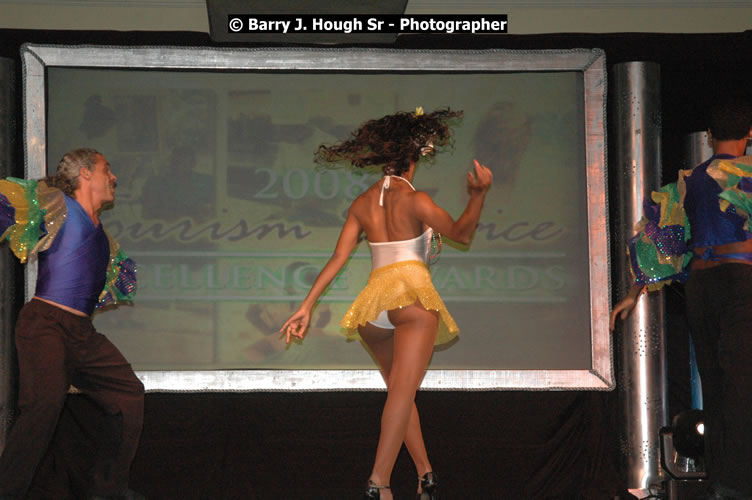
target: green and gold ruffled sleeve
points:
(31, 215)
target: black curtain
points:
(321, 445)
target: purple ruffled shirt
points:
(73, 271)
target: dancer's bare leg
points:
(381, 343)
(414, 338)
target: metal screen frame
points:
(592, 64)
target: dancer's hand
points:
(625, 306)
(481, 181)
(296, 325)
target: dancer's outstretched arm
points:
(297, 324)
(462, 229)
(625, 306)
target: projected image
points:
(229, 220)
(136, 122)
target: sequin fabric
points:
(660, 251)
(394, 286)
(31, 216)
(120, 284)
(39, 213)
(52, 200)
(735, 178)
(24, 234)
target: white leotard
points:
(388, 252)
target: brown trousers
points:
(56, 349)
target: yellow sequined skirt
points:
(394, 286)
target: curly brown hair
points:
(393, 141)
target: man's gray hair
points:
(69, 169)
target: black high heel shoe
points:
(373, 490)
(429, 484)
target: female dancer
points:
(399, 313)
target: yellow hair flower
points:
(419, 111)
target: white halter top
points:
(389, 252)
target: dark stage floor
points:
(504, 445)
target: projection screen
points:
(229, 220)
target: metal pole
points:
(636, 171)
(7, 371)
(696, 149)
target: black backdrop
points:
(510, 444)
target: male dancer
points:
(80, 268)
(713, 199)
